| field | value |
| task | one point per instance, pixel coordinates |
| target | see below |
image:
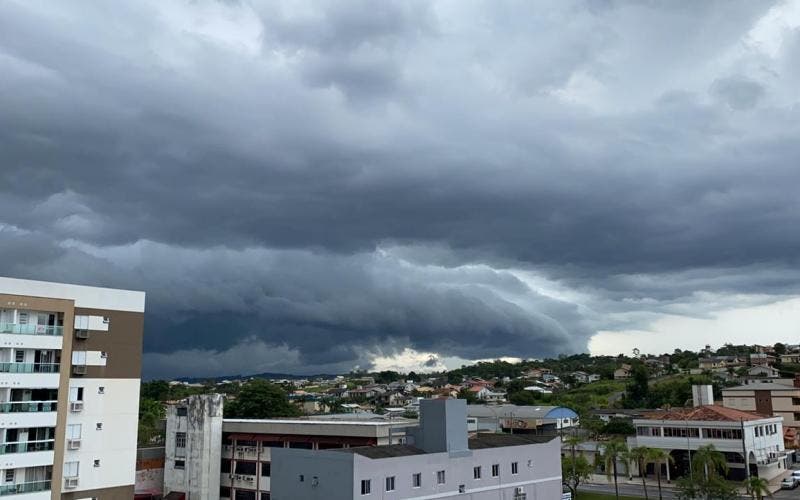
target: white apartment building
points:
(70, 360)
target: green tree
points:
(575, 471)
(757, 487)
(468, 395)
(613, 452)
(638, 386)
(261, 399)
(619, 427)
(780, 348)
(659, 456)
(151, 415)
(640, 455)
(157, 390)
(708, 462)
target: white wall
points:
(23, 380)
(31, 341)
(115, 445)
(84, 296)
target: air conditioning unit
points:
(70, 482)
(73, 444)
(81, 334)
(79, 369)
(76, 406)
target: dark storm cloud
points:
(342, 180)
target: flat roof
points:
(479, 442)
(348, 423)
(89, 297)
(762, 386)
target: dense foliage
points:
(261, 399)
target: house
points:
(536, 388)
(394, 399)
(442, 462)
(762, 372)
(550, 378)
(719, 363)
(761, 359)
(793, 358)
(536, 372)
(484, 393)
(623, 372)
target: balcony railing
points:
(31, 329)
(28, 367)
(27, 406)
(17, 489)
(27, 446)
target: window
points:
(101, 390)
(648, 431)
(74, 431)
(19, 356)
(795, 401)
(180, 464)
(23, 318)
(71, 469)
(462, 488)
(180, 440)
(495, 470)
(225, 466)
(266, 469)
(302, 478)
(97, 463)
(722, 433)
(416, 480)
(476, 472)
(246, 468)
(440, 477)
(514, 467)
(224, 492)
(390, 483)
(181, 411)
(366, 487)
(9, 475)
(265, 496)
(75, 394)
(681, 432)
(99, 426)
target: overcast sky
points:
(313, 186)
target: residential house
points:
(623, 372)
(762, 372)
(761, 359)
(791, 358)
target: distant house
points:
(623, 372)
(719, 363)
(793, 358)
(584, 378)
(593, 377)
(763, 371)
(485, 393)
(536, 388)
(549, 378)
(536, 372)
(761, 359)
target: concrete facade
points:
(70, 357)
(488, 466)
(192, 447)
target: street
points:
(652, 491)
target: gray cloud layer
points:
(345, 179)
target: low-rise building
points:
(747, 440)
(508, 417)
(623, 372)
(769, 398)
(442, 463)
(208, 456)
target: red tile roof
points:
(708, 413)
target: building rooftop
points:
(514, 411)
(479, 442)
(707, 413)
(761, 386)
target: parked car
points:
(796, 474)
(789, 483)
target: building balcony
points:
(27, 446)
(28, 406)
(22, 488)
(246, 481)
(29, 367)
(31, 329)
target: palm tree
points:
(660, 456)
(757, 488)
(573, 441)
(640, 455)
(612, 452)
(708, 461)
